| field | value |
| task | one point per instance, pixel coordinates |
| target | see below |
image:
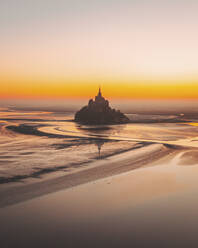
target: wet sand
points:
(65, 185)
(154, 206)
(127, 161)
(46, 154)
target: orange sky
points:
(65, 49)
(83, 89)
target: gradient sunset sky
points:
(133, 49)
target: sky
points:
(135, 49)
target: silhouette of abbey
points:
(99, 112)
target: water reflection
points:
(102, 131)
(99, 143)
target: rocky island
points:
(98, 112)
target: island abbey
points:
(99, 112)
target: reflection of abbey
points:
(98, 111)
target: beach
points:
(97, 186)
(114, 165)
(151, 206)
(44, 152)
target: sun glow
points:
(131, 48)
(88, 88)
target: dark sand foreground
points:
(152, 206)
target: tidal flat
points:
(97, 186)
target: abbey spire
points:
(99, 92)
(99, 98)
